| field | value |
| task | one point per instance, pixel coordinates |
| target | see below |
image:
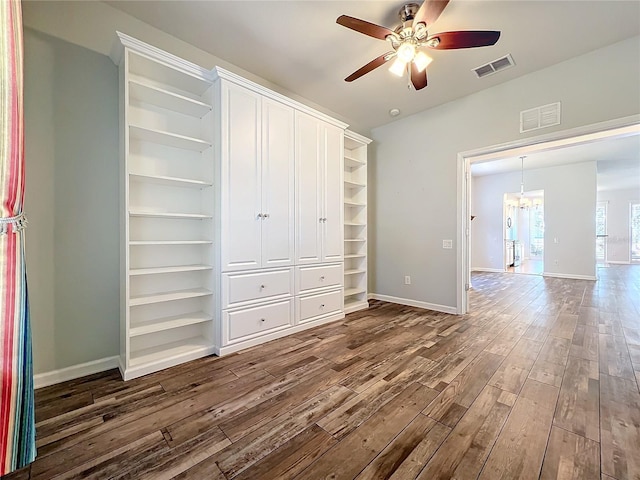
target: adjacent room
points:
(313, 239)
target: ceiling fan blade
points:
(465, 39)
(429, 11)
(371, 29)
(375, 63)
(418, 79)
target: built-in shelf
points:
(142, 213)
(168, 350)
(168, 296)
(353, 291)
(138, 243)
(161, 270)
(350, 184)
(169, 139)
(354, 272)
(168, 323)
(169, 181)
(352, 304)
(355, 215)
(167, 209)
(163, 98)
(353, 162)
(143, 68)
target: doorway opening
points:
(524, 232)
(619, 128)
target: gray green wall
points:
(71, 200)
(412, 196)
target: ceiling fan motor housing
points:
(408, 12)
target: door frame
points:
(620, 127)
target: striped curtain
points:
(17, 427)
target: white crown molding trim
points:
(357, 137)
(490, 270)
(414, 303)
(123, 40)
(570, 276)
(75, 371)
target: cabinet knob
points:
(322, 305)
(265, 215)
(324, 219)
(259, 215)
(262, 287)
(320, 219)
(322, 277)
(262, 320)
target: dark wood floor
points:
(540, 380)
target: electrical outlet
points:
(447, 243)
(407, 280)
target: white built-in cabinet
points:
(234, 207)
(355, 222)
(256, 180)
(319, 196)
(167, 193)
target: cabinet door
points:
(278, 184)
(333, 194)
(308, 189)
(240, 178)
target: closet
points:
(232, 212)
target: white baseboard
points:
(490, 270)
(75, 371)
(414, 303)
(569, 276)
(618, 262)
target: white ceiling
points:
(618, 161)
(298, 45)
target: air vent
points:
(495, 66)
(540, 117)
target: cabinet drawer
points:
(320, 276)
(319, 305)
(255, 321)
(238, 288)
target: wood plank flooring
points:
(539, 380)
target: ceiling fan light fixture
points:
(398, 67)
(422, 61)
(407, 52)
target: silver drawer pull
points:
(322, 305)
(265, 215)
(262, 320)
(262, 287)
(322, 277)
(259, 215)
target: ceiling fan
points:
(410, 36)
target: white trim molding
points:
(74, 371)
(413, 303)
(490, 270)
(618, 262)
(569, 276)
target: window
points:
(536, 231)
(601, 231)
(635, 232)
